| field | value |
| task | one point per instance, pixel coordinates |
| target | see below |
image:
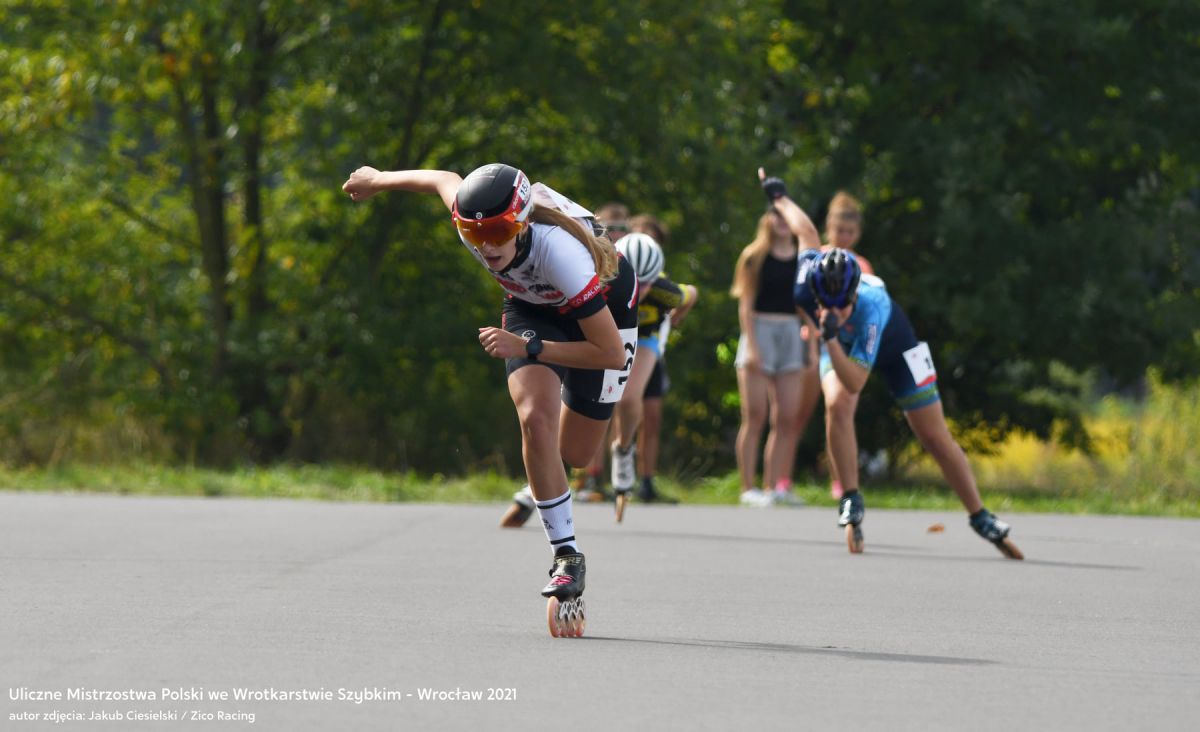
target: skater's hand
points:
(500, 343)
(829, 325)
(361, 184)
(773, 187)
(753, 361)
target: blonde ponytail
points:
(604, 254)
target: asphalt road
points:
(699, 618)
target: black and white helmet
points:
(644, 255)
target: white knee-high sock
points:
(558, 522)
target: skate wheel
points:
(622, 501)
(556, 629)
(580, 619)
(566, 618)
(854, 538)
(1009, 549)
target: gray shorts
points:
(779, 343)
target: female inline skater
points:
(650, 313)
(843, 229)
(568, 333)
(657, 296)
(864, 329)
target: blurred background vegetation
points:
(183, 282)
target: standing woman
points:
(843, 227)
(568, 334)
(770, 358)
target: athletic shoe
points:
(787, 497)
(756, 498)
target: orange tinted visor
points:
(496, 230)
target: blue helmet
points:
(833, 279)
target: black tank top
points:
(775, 284)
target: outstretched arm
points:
(798, 221)
(367, 181)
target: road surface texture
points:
(169, 613)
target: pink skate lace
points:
(560, 580)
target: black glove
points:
(829, 325)
(774, 188)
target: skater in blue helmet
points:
(568, 333)
(863, 329)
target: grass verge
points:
(340, 483)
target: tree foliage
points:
(178, 254)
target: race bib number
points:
(614, 381)
(920, 363)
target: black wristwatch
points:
(533, 347)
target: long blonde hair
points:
(604, 254)
(750, 262)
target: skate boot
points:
(624, 476)
(850, 516)
(520, 510)
(996, 531)
(648, 494)
(564, 609)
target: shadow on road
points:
(996, 558)
(812, 650)
(837, 539)
(883, 550)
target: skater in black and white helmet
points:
(588, 481)
(658, 296)
(567, 335)
(654, 316)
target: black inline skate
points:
(850, 515)
(565, 610)
(996, 531)
(520, 510)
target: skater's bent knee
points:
(539, 425)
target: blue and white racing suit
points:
(878, 336)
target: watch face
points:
(533, 344)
